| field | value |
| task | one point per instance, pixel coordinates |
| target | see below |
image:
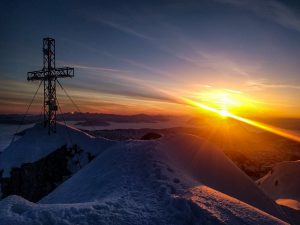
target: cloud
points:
(271, 9)
(124, 28)
(101, 83)
(97, 68)
(147, 67)
(262, 84)
(168, 39)
(233, 91)
(132, 62)
(120, 85)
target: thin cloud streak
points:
(123, 29)
(121, 77)
(97, 68)
(270, 9)
(263, 84)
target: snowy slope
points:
(36, 143)
(206, 206)
(172, 180)
(154, 171)
(210, 166)
(282, 184)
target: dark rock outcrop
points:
(35, 180)
(150, 136)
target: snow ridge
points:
(36, 144)
(172, 180)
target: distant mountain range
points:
(85, 119)
(103, 119)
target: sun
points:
(224, 101)
(278, 131)
(224, 113)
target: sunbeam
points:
(275, 130)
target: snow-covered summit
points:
(36, 143)
(207, 164)
(177, 179)
(144, 175)
(201, 206)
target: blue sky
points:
(139, 56)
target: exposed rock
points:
(35, 180)
(150, 136)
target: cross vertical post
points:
(49, 75)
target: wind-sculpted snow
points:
(282, 184)
(36, 144)
(209, 165)
(201, 205)
(162, 181)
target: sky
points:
(148, 56)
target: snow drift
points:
(36, 143)
(138, 172)
(282, 184)
(177, 179)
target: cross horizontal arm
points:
(52, 74)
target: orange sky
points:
(141, 58)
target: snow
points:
(7, 131)
(143, 170)
(36, 144)
(282, 184)
(209, 165)
(289, 203)
(202, 208)
(172, 180)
